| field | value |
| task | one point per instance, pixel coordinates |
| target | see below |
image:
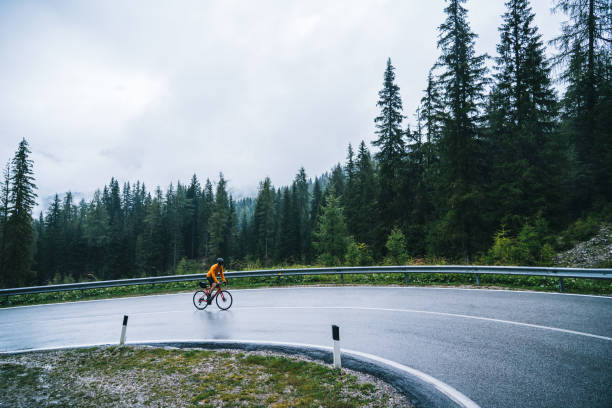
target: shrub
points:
(396, 248)
(528, 248)
(580, 230)
(358, 254)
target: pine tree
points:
(264, 228)
(206, 209)
(365, 227)
(71, 238)
(288, 234)
(191, 219)
(176, 203)
(52, 262)
(39, 228)
(4, 213)
(522, 114)
(331, 237)
(154, 253)
(243, 240)
(585, 49)
(430, 115)
(424, 166)
(461, 84)
(218, 221)
(274, 252)
(418, 194)
(82, 251)
(351, 195)
(315, 210)
(230, 247)
(315, 204)
(392, 151)
(301, 208)
(396, 248)
(97, 235)
(19, 231)
(136, 228)
(115, 254)
(337, 181)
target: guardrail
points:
(559, 273)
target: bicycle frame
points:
(205, 299)
(218, 292)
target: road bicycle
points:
(222, 297)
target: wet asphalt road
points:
(500, 348)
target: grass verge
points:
(161, 377)
(537, 283)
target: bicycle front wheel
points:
(199, 300)
(224, 300)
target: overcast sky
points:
(159, 90)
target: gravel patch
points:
(167, 377)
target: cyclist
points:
(215, 270)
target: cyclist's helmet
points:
(220, 261)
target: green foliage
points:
(18, 236)
(585, 55)
(362, 199)
(527, 249)
(218, 222)
(189, 267)
(358, 254)
(396, 248)
(580, 230)
(462, 80)
(264, 221)
(521, 113)
(502, 251)
(392, 151)
(4, 213)
(331, 235)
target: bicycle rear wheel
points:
(199, 300)
(224, 300)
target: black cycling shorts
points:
(210, 280)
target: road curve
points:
(499, 348)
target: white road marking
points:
(517, 291)
(441, 386)
(444, 388)
(537, 326)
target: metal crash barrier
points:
(558, 273)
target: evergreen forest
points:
(496, 166)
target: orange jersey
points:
(215, 271)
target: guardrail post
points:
(405, 278)
(477, 279)
(336, 337)
(342, 278)
(7, 302)
(123, 329)
(560, 284)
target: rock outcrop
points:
(590, 253)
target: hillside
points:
(596, 252)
